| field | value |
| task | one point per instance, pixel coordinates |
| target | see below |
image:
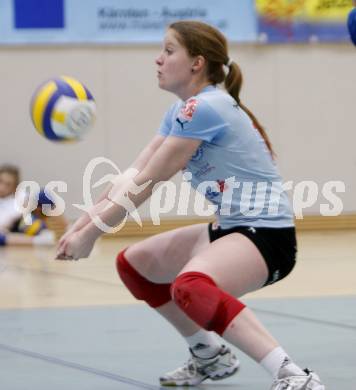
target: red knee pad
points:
(199, 297)
(154, 294)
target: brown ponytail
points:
(202, 39)
(233, 84)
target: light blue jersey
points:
(232, 167)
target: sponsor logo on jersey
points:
(222, 185)
(204, 170)
(198, 154)
(212, 193)
(187, 111)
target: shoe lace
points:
(290, 383)
(189, 369)
(193, 367)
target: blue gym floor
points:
(129, 346)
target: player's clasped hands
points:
(75, 245)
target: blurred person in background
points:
(42, 229)
(9, 180)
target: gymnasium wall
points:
(304, 95)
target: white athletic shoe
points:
(287, 380)
(196, 370)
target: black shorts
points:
(278, 247)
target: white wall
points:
(305, 95)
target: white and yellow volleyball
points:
(63, 109)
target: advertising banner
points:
(118, 21)
(302, 20)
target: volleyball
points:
(351, 24)
(62, 109)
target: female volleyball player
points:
(192, 275)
